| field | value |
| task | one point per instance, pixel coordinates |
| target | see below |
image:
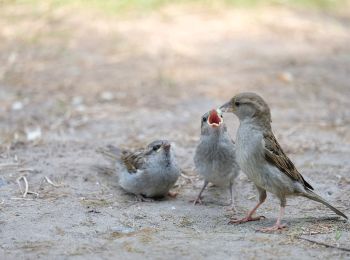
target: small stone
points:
(18, 105)
(286, 77)
(77, 100)
(106, 96)
(33, 134)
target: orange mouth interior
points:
(214, 118)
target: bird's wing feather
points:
(275, 155)
(133, 161)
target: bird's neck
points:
(256, 123)
(215, 133)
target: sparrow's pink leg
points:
(249, 217)
(231, 205)
(278, 224)
(198, 199)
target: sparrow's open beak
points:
(214, 119)
(227, 107)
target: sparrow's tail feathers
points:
(313, 196)
(110, 152)
(104, 169)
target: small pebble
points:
(33, 133)
(18, 105)
(286, 77)
(106, 96)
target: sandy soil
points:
(73, 80)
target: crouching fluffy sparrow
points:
(148, 172)
(215, 154)
(262, 159)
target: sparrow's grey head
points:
(249, 106)
(159, 152)
(212, 122)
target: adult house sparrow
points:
(149, 172)
(214, 157)
(262, 159)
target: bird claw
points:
(141, 198)
(197, 201)
(276, 227)
(246, 219)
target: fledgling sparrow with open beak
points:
(215, 154)
(262, 159)
(148, 172)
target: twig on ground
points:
(251, 197)
(25, 192)
(187, 177)
(33, 192)
(324, 244)
(26, 170)
(21, 198)
(8, 165)
(51, 182)
(26, 187)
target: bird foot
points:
(197, 201)
(141, 198)
(172, 194)
(273, 228)
(246, 219)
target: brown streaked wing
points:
(133, 161)
(275, 155)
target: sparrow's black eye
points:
(204, 119)
(156, 147)
(237, 104)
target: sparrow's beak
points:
(227, 107)
(214, 120)
(166, 147)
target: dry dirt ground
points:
(72, 80)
